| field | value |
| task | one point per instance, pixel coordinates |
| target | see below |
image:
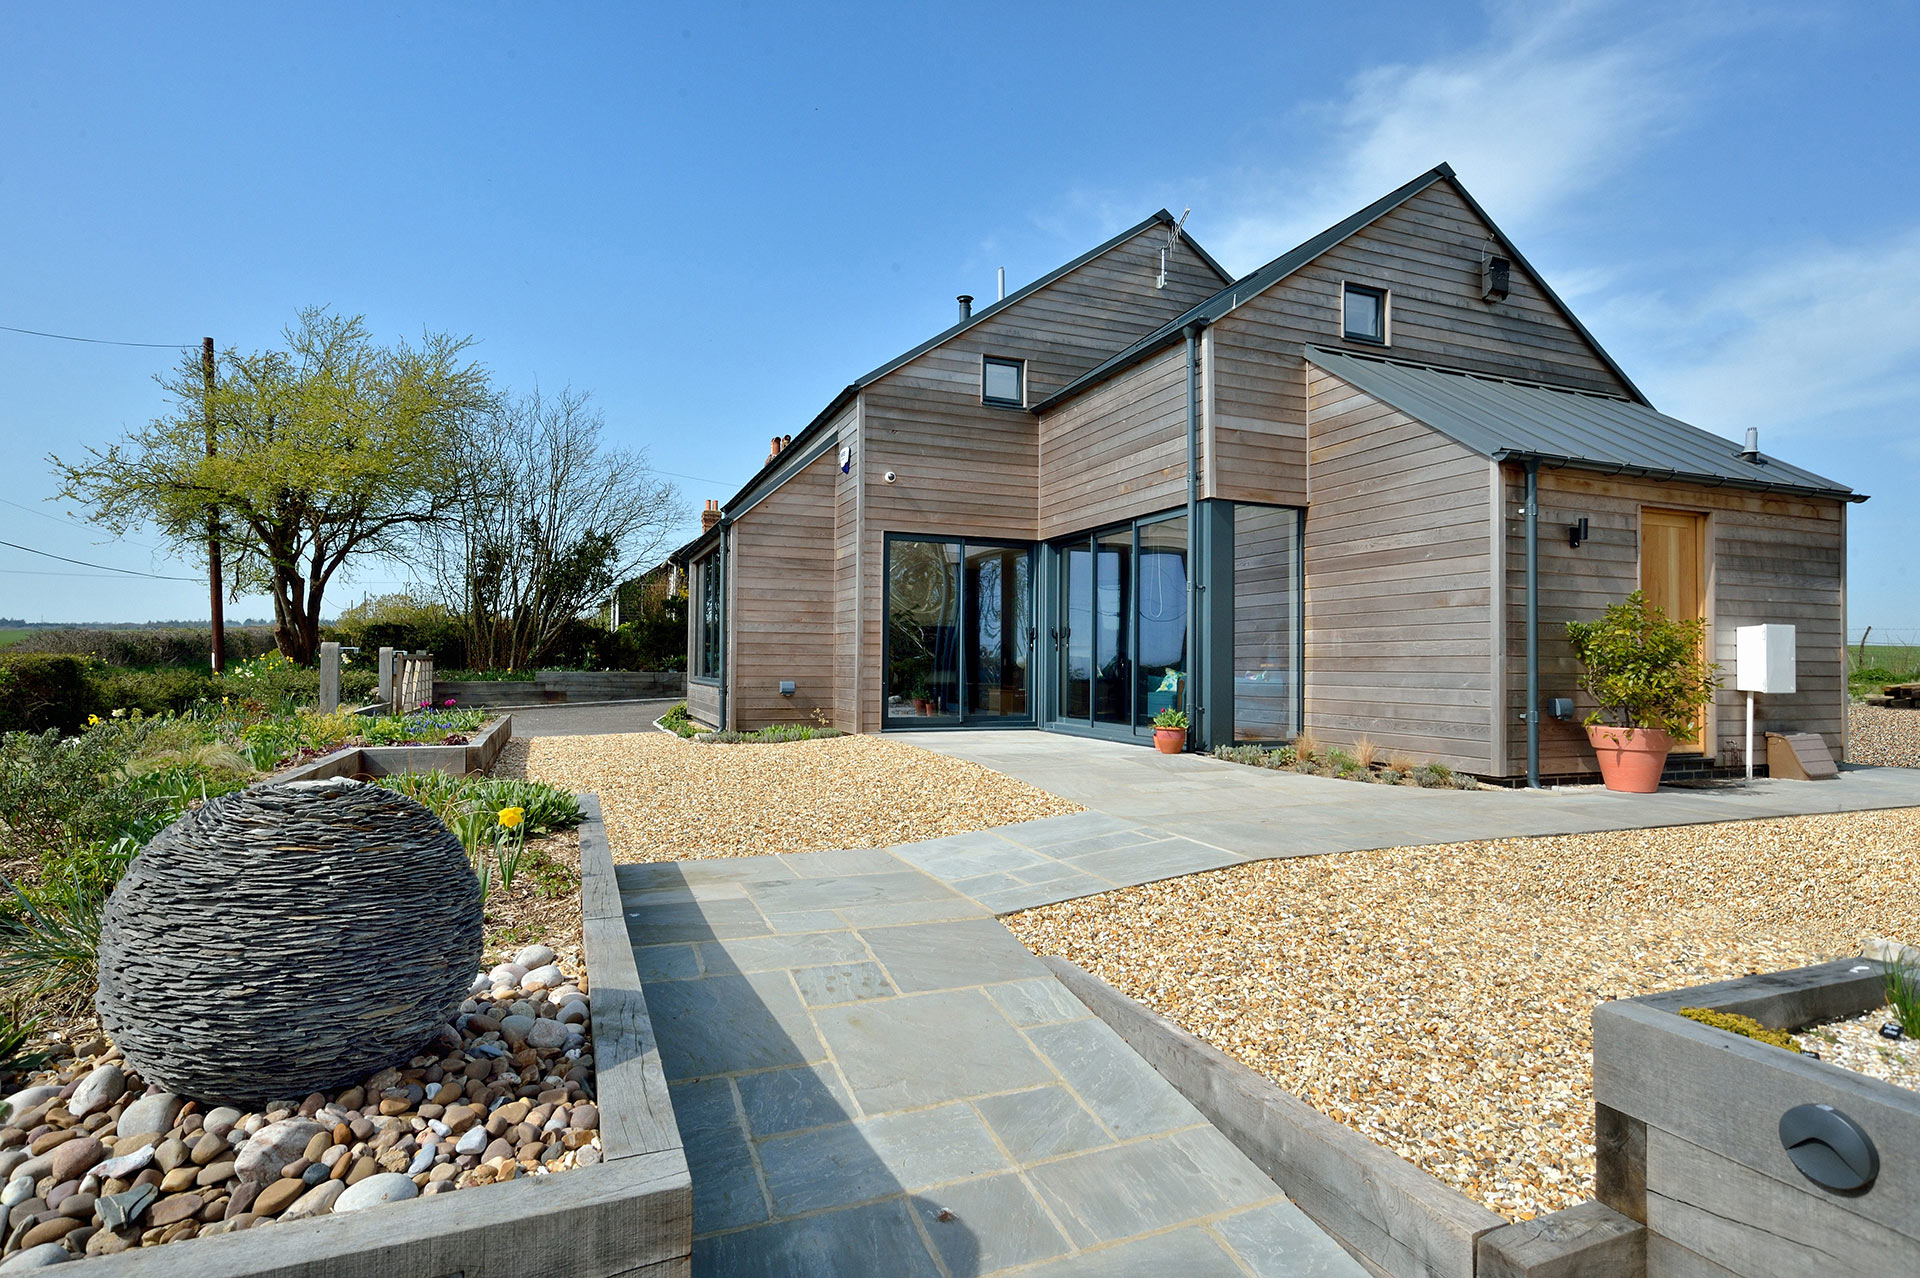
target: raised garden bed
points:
(1693, 1123)
(559, 687)
(476, 755)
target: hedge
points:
(41, 690)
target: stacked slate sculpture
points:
(288, 939)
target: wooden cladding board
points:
(1427, 254)
(1398, 583)
(1769, 558)
(1117, 452)
(782, 625)
(967, 469)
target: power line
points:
(96, 341)
(73, 523)
(33, 572)
(157, 576)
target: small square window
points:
(1364, 314)
(1003, 381)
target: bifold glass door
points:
(1121, 641)
(959, 643)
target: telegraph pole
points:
(213, 523)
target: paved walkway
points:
(1154, 816)
(591, 718)
(872, 1076)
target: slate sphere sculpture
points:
(288, 939)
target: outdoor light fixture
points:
(889, 477)
(1577, 533)
(786, 687)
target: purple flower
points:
(449, 701)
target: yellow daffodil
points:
(92, 719)
(512, 817)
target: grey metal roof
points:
(1519, 421)
(1250, 286)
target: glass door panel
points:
(999, 590)
(1076, 646)
(1112, 627)
(923, 631)
(1162, 658)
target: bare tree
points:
(546, 520)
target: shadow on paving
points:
(870, 1072)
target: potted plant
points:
(1170, 731)
(1649, 676)
(922, 694)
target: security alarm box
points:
(1763, 659)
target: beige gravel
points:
(1854, 1043)
(666, 799)
(1438, 998)
(1884, 736)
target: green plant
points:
(1432, 776)
(50, 941)
(43, 691)
(776, 734)
(1745, 1026)
(1171, 718)
(58, 793)
(455, 799)
(678, 721)
(1642, 668)
(15, 1060)
(1903, 993)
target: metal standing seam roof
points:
(1519, 421)
(1250, 286)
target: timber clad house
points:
(1296, 500)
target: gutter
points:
(1562, 461)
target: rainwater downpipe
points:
(1195, 728)
(1531, 512)
(726, 619)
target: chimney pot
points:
(966, 307)
(709, 515)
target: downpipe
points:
(1195, 711)
(1531, 512)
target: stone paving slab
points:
(1153, 816)
(900, 1088)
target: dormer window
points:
(1363, 314)
(1003, 382)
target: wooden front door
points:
(1673, 577)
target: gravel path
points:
(1884, 736)
(667, 800)
(1437, 998)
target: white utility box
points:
(1763, 659)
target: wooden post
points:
(214, 588)
(329, 677)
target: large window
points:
(1266, 623)
(1123, 639)
(959, 631)
(706, 585)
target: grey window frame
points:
(1384, 296)
(1019, 367)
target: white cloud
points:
(1552, 103)
(1823, 344)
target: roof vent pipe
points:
(1003, 283)
(966, 307)
(1751, 452)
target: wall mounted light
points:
(1577, 532)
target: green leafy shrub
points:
(655, 639)
(58, 793)
(1745, 1026)
(1644, 669)
(776, 734)
(678, 721)
(403, 621)
(43, 691)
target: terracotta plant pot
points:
(1631, 759)
(1170, 740)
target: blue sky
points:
(713, 220)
